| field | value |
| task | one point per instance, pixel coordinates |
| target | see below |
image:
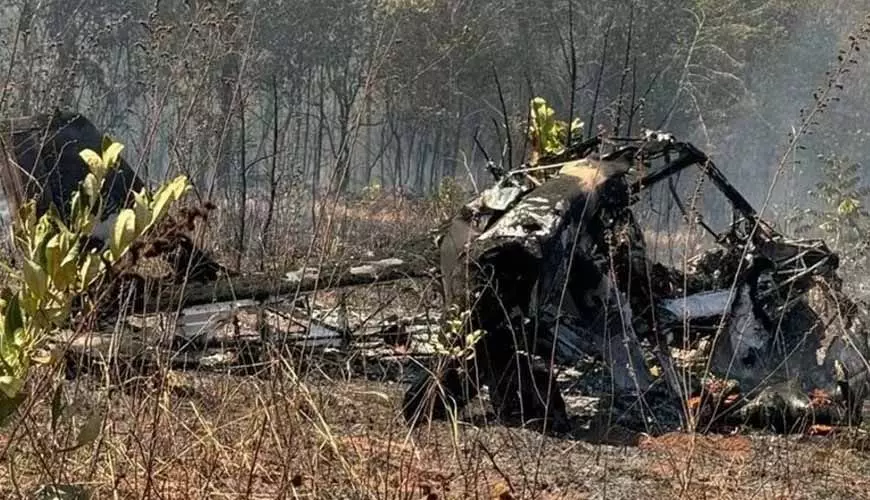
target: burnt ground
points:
(325, 424)
(605, 460)
(321, 435)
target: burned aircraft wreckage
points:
(41, 162)
(554, 270)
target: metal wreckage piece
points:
(557, 269)
(40, 162)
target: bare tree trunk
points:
(25, 22)
(409, 161)
(385, 142)
(371, 156)
(342, 159)
(397, 162)
(318, 150)
(448, 163)
(625, 70)
(243, 187)
(591, 125)
(421, 168)
(229, 76)
(305, 141)
(571, 55)
(433, 161)
(273, 181)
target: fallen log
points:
(263, 286)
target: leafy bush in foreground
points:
(56, 266)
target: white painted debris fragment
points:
(537, 199)
(204, 319)
(373, 267)
(698, 305)
(319, 336)
(218, 359)
(301, 274)
(500, 198)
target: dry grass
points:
(331, 433)
(245, 437)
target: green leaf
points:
(66, 274)
(54, 270)
(54, 253)
(94, 162)
(142, 198)
(10, 386)
(90, 270)
(25, 225)
(123, 233)
(111, 154)
(166, 195)
(43, 232)
(35, 278)
(141, 207)
(12, 319)
(54, 316)
(545, 129)
(91, 189)
(848, 206)
(77, 212)
(53, 216)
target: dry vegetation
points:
(326, 425)
(244, 437)
(264, 104)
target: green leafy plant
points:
(549, 135)
(373, 192)
(449, 197)
(456, 341)
(55, 269)
(840, 197)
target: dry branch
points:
(262, 286)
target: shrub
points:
(56, 267)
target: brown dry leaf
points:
(819, 398)
(821, 430)
(730, 448)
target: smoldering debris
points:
(555, 267)
(543, 272)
